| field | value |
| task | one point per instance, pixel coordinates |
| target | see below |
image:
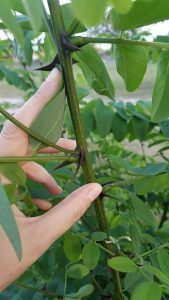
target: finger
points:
(60, 218)
(45, 93)
(42, 204)
(39, 174)
(64, 143)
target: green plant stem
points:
(145, 254)
(38, 158)
(80, 41)
(34, 134)
(66, 64)
(47, 293)
(112, 185)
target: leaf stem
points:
(80, 41)
(47, 293)
(33, 134)
(152, 251)
(38, 158)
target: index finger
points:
(30, 110)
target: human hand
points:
(38, 233)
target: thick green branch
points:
(66, 64)
(80, 41)
(32, 133)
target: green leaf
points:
(119, 127)
(90, 12)
(164, 126)
(88, 120)
(133, 279)
(34, 12)
(122, 6)
(160, 108)
(157, 184)
(131, 64)
(102, 116)
(163, 259)
(90, 255)
(72, 24)
(9, 20)
(140, 127)
(77, 271)
(72, 248)
(13, 172)
(8, 223)
(99, 236)
(18, 6)
(122, 264)
(142, 13)
(14, 78)
(151, 169)
(95, 71)
(147, 291)
(49, 122)
(10, 190)
(28, 50)
(84, 291)
(156, 272)
(142, 210)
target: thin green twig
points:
(34, 134)
(38, 158)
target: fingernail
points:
(95, 191)
(53, 75)
(60, 190)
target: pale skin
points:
(38, 233)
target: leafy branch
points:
(80, 41)
(34, 134)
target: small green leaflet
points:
(147, 291)
(84, 291)
(34, 12)
(98, 236)
(102, 116)
(142, 13)
(72, 248)
(90, 12)
(13, 172)
(49, 122)
(9, 20)
(18, 6)
(122, 264)
(72, 24)
(160, 107)
(90, 255)
(142, 211)
(122, 6)
(163, 259)
(131, 64)
(156, 272)
(95, 71)
(152, 184)
(119, 127)
(77, 271)
(8, 223)
(139, 126)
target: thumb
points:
(60, 218)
